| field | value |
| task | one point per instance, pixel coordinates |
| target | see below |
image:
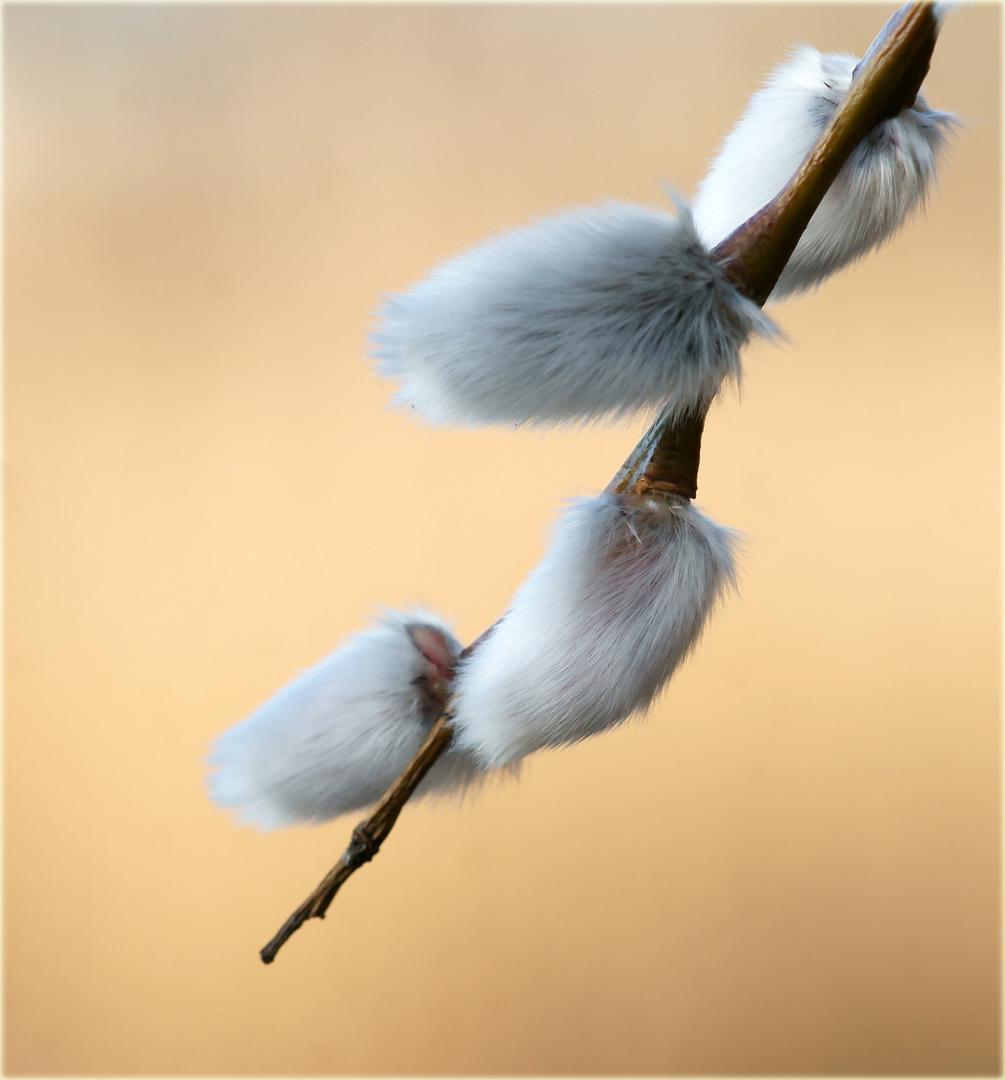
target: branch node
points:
(362, 847)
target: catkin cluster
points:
(593, 313)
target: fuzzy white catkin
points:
(337, 737)
(596, 312)
(597, 629)
(882, 183)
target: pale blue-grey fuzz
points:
(598, 312)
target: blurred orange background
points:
(793, 866)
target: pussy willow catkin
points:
(883, 182)
(339, 735)
(596, 312)
(597, 629)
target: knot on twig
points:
(362, 847)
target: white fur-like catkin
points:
(340, 734)
(886, 178)
(597, 629)
(596, 312)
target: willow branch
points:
(666, 458)
(368, 835)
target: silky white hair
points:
(597, 312)
(597, 629)
(340, 734)
(884, 180)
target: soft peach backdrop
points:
(793, 866)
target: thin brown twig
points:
(666, 457)
(367, 836)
